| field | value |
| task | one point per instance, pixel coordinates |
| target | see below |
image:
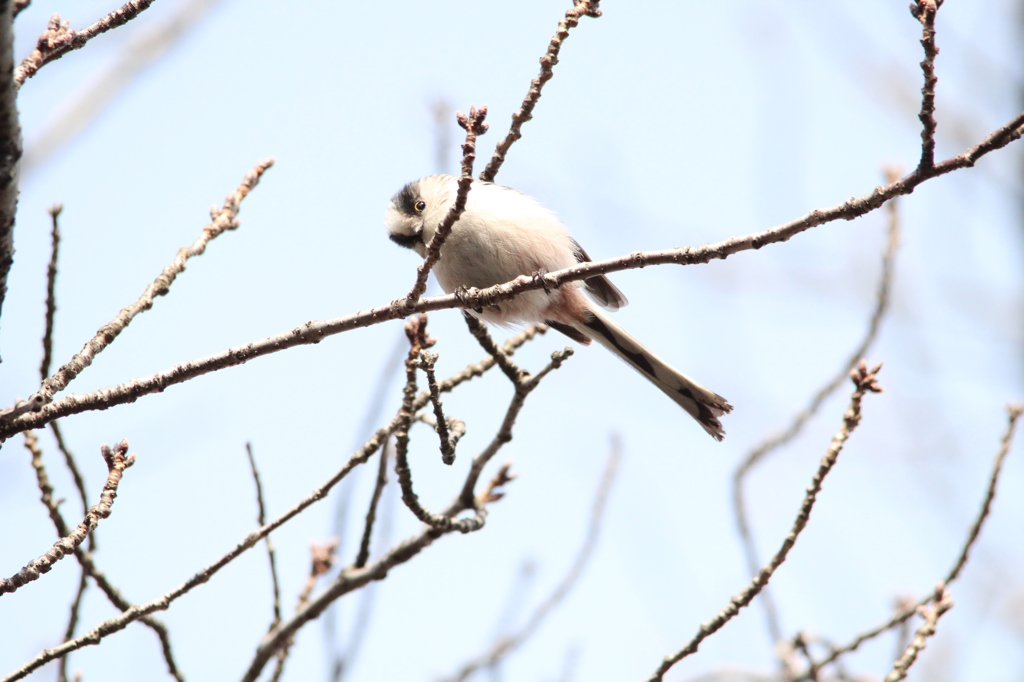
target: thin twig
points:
(59, 38)
(51, 296)
(226, 219)
(448, 441)
(117, 461)
(36, 415)
(43, 482)
(774, 442)
(371, 513)
(72, 465)
(1013, 411)
(322, 556)
(474, 126)
(580, 9)
(69, 631)
(864, 380)
(506, 644)
(261, 518)
(943, 603)
(924, 11)
(483, 337)
(10, 145)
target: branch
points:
(117, 461)
(72, 465)
(924, 11)
(223, 221)
(58, 39)
(323, 558)
(261, 519)
(473, 125)
(10, 145)
(505, 645)
(1013, 412)
(547, 63)
(448, 440)
(864, 381)
(776, 441)
(89, 569)
(51, 294)
(943, 603)
(314, 332)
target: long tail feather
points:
(703, 405)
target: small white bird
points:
(503, 234)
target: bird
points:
(502, 234)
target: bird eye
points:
(419, 206)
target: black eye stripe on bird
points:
(503, 234)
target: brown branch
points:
(51, 296)
(924, 11)
(314, 332)
(18, 6)
(473, 125)
(483, 337)
(10, 145)
(1014, 411)
(226, 219)
(507, 644)
(774, 442)
(261, 519)
(864, 381)
(58, 39)
(117, 461)
(523, 387)
(580, 9)
(943, 603)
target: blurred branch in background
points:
(506, 645)
(144, 49)
(774, 442)
(865, 382)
